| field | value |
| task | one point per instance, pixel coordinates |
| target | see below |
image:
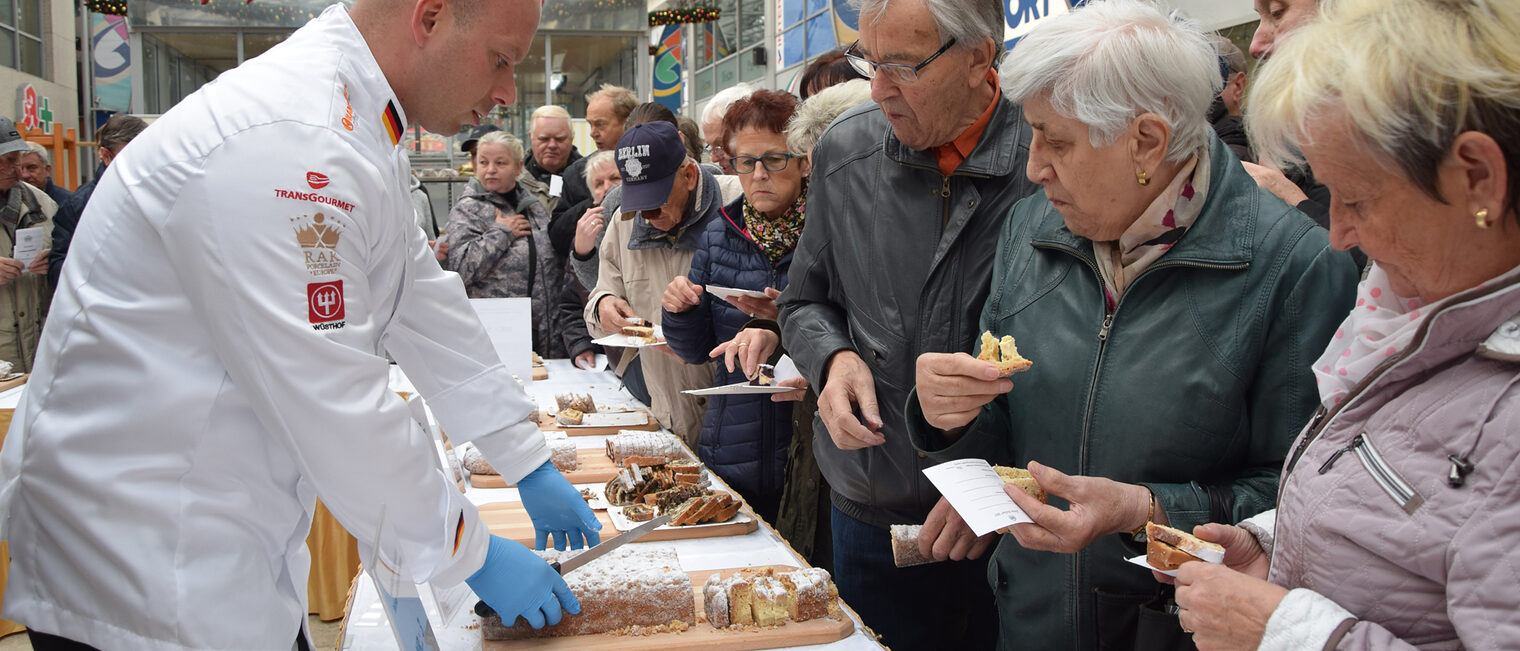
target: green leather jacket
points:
(1195, 386)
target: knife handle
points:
(555, 565)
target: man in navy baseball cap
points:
(658, 178)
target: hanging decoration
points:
(683, 16)
(109, 7)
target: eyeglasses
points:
(901, 74)
(772, 162)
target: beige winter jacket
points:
(25, 300)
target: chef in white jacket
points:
(215, 356)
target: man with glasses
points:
(712, 123)
(907, 199)
(668, 200)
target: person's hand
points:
(440, 249)
(953, 387)
(588, 229)
(1274, 181)
(681, 295)
(586, 360)
(758, 308)
(1099, 507)
(39, 264)
(1223, 608)
(516, 583)
(946, 536)
(613, 313)
(850, 386)
(518, 224)
(1242, 552)
(799, 383)
(10, 269)
(749, 349)
(557, 510)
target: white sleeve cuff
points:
(468, 541)
(1304, 620)
(1264, 527)
(514, 451)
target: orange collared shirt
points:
(950, 155)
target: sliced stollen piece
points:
(1004, 353)
(905, 551)
(1168, 548)
(1023, 480)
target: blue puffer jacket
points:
(744, 438)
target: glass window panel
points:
(815, 6)
(215, 50)
(751, 22)
(31, 56)
(30, 18)
(706, 46)
(256, 43)
(793, 47)
(820, 35)
(705, 84)
(728, 72)
(726, 36)
(792, 12)
(587, 62)
(748, 69)
(8, 12)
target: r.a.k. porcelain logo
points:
(317, 180)
(318, 237)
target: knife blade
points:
(592, 554)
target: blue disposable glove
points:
(557, 509)
(516, 583)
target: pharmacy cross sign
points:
(35, 110)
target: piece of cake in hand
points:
(1167, 548)
(640, 334)
(633, 585)
(1004, 354)
(905, 551)
(1023, 480)
(765, 375)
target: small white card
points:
(976, 492)
(28, 245)
(727, 293)
(556, 185)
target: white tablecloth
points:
(366, 627)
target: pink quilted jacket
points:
(1403, 506)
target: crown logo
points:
(316, 232)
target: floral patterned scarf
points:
(1159, 228)
(777, 237)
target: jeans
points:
(937, 606)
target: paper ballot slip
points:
(976, 492)
(28, 245)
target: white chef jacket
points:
(213, 362)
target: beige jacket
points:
(639, 275)
(27, 297)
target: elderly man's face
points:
(606, 127)
(714, 134)
(551, 143)
(468, 67)
(1278, 19)
(10, 170)
(33, 169)
(938, 106)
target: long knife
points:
(592, 554)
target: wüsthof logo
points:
(318, 237)
(316, 180)
(324, 304)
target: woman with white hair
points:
(1398, 525)
(1170, 307)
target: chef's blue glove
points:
(557, 509)
(516, 583)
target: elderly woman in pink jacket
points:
(1398, 523)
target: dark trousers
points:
(937, 606)
(633, 381)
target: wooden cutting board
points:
(509, 520)
(546, 422)
(595, 468)
(701, 635)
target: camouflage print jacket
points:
(495, 264)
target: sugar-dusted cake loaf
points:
(634, 585)
(905, 546)
(562, 451)
(475, 462)
(769, 598)
(633, 443)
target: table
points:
(365, 626)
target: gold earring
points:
(1482, 216)
(1141, 176)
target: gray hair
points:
(40, 151)
(815, 115)
(969, 22)
(1106, 63)
(603, 157)
(720, 102)
(513, 145)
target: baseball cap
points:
(469, 142)
(10, 138)
(648, 157)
